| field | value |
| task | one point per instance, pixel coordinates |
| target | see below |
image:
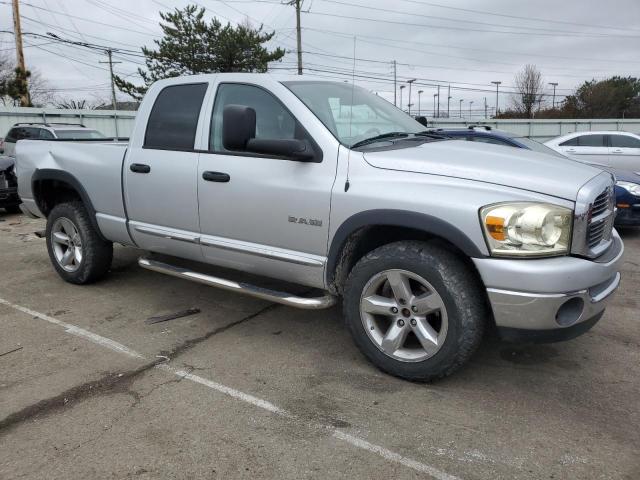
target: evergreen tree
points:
(192, 45)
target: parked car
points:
(47, 131)
(627, 188)
(487, 134)
(619, 150)
(9, 199)
(627, 198)
(251, 172)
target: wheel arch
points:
(367, 230)
(51, 187)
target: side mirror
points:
(299, 150)
(238, 126)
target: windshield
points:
(538, 147)
(351, 113)
(78, 134)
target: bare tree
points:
(530, 86)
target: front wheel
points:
(414, 309)
(77, 251)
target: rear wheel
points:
(414, 309)
(76, 250)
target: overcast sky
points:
(446, 42)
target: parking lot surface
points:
(247, 389)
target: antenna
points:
(353, 87)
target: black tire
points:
(97, 253)
(13, 209)
(458, 287)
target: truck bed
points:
(95, 166)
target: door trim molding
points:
(260, 251)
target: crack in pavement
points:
(113, 383)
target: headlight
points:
(632, 188)
(527, 229)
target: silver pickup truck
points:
(427, 241)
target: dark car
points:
(486, 134)
(627, 198)
(9, 199)
(627, 183)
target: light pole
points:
(410, 82)
(438, 101)
(420, 92)
(470, 103)
(401, 88)
(554, 85)
(461, 100)
(448, 99)
(485, 108)
(434, 104)
(497, 84)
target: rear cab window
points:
(173, 120)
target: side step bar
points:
(283, 298)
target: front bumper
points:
(556, 298)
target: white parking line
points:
(244, 397)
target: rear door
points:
(624, 152)
(587, 148)
(160, 173)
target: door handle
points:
(617, 150)
(216, 177)
(139, 168)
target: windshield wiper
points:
(382, 136)
(431, 134)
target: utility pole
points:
(434, 104)
(420, 92)
(410, 82)
(113, 87)
(438, 101)
(25, 101)
(448, 99)
(298, 5)
(554, 85)
(470, 104)
(497, 84)
(485, 108)
(401, 88)
(395, 83)
(461, 100)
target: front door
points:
(160, 175)
(261, 214)
(624, 152)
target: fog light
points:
(570, 312)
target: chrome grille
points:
(594, 216)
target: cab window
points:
(173, 120)
(273, 120)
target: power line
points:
(467, 29)
(448, 19)
(472, 49)
(528, 19)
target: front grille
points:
(594, 216)
(601, 219)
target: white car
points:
(47, 131)
(613, 149)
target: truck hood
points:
(508, 166)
